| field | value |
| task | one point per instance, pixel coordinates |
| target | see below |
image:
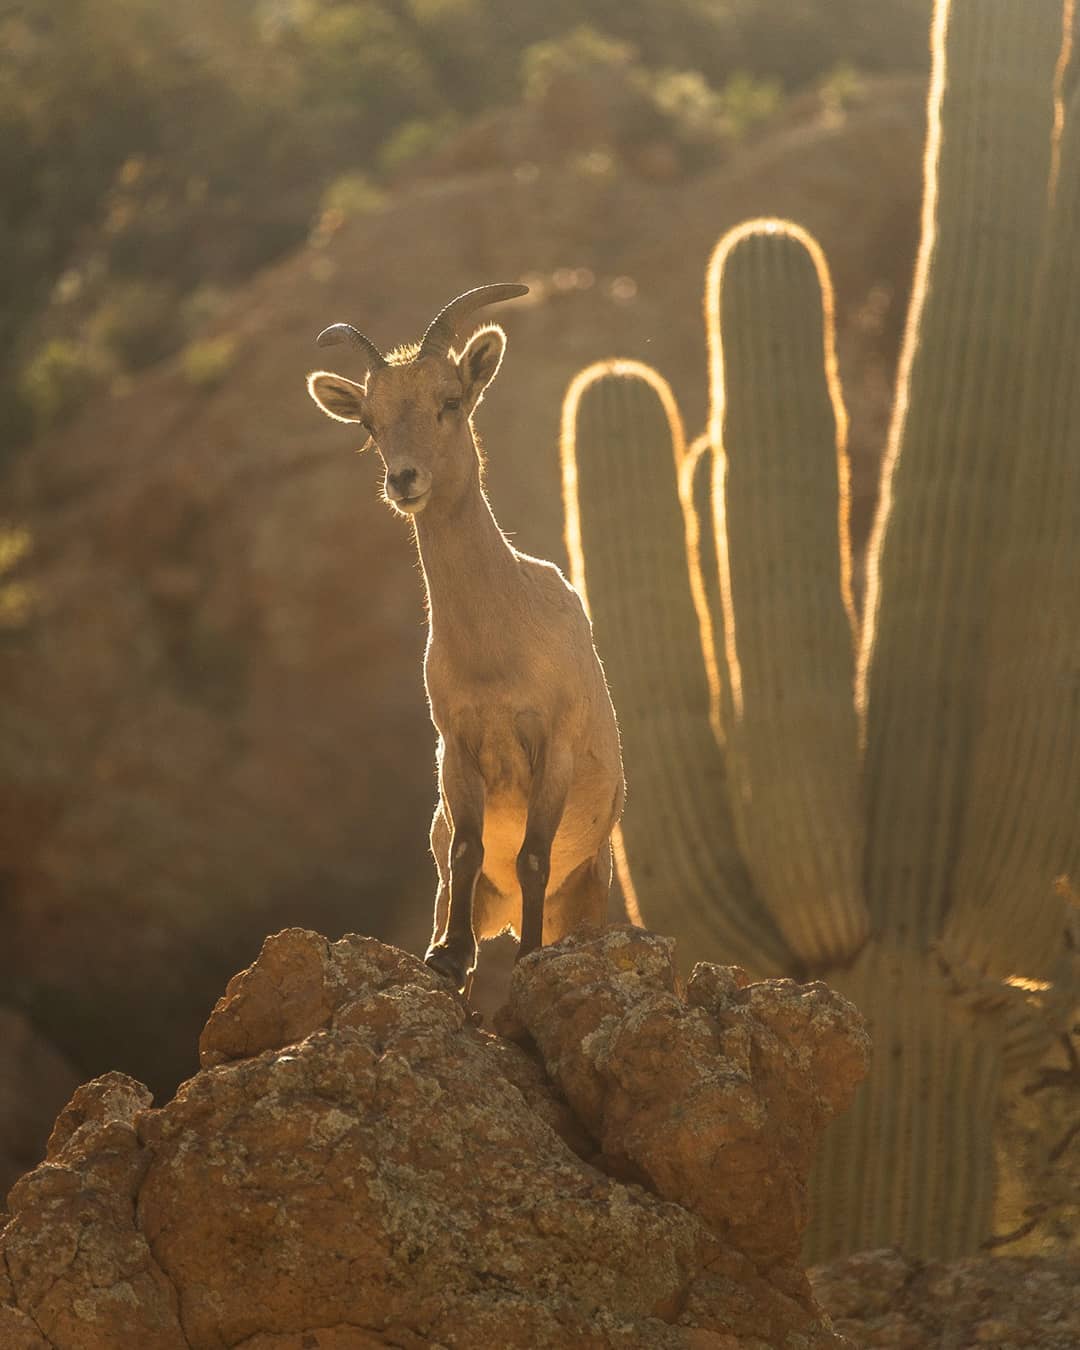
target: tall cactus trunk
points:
(945, 491)
(948, 502)
(1017, 841)
(911, 1164)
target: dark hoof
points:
(449, 963)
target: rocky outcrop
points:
(981, 1303)
(358, 1164)
(716, 1099)
(80, 1272)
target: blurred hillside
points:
(153, 157)
(211, 711)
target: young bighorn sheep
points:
(530, 774)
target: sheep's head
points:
(416, 405)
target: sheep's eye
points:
(451, 405)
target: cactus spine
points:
(902, 831)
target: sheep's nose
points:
(402, 481)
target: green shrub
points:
(842, 87)
(581, 53)
(414, 139)
(60, 377)
(747, 101)
(201, 306)
(689, 103)
(206, 363)
(138, 322)
(353, 194)
(696, 113)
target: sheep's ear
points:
(336, 396)
(479, 362)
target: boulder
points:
(357, 1164)
(883, 1298)
(716, 1098)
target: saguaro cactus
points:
(1019, 835)
(902, 821)
(954, 434)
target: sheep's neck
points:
(469, 568)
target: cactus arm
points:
(780, 495)
(622, 448)
(945, 490)
(1021, 833)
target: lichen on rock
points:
(358, 1164)
(716, 1098)
(882, 1298)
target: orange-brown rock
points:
(80, 1271)
(981, 1303)
(718, 1098)
(359, 1165)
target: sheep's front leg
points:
(552, 776)
(462, 790)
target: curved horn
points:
(440, 333)
(345, 332)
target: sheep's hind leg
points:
(582, 899)
(551, 783)
(453, 955)
(440, 849)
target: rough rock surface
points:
(79, 1271)
(983, 1303)
(718, 1098)
(357, 1164)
